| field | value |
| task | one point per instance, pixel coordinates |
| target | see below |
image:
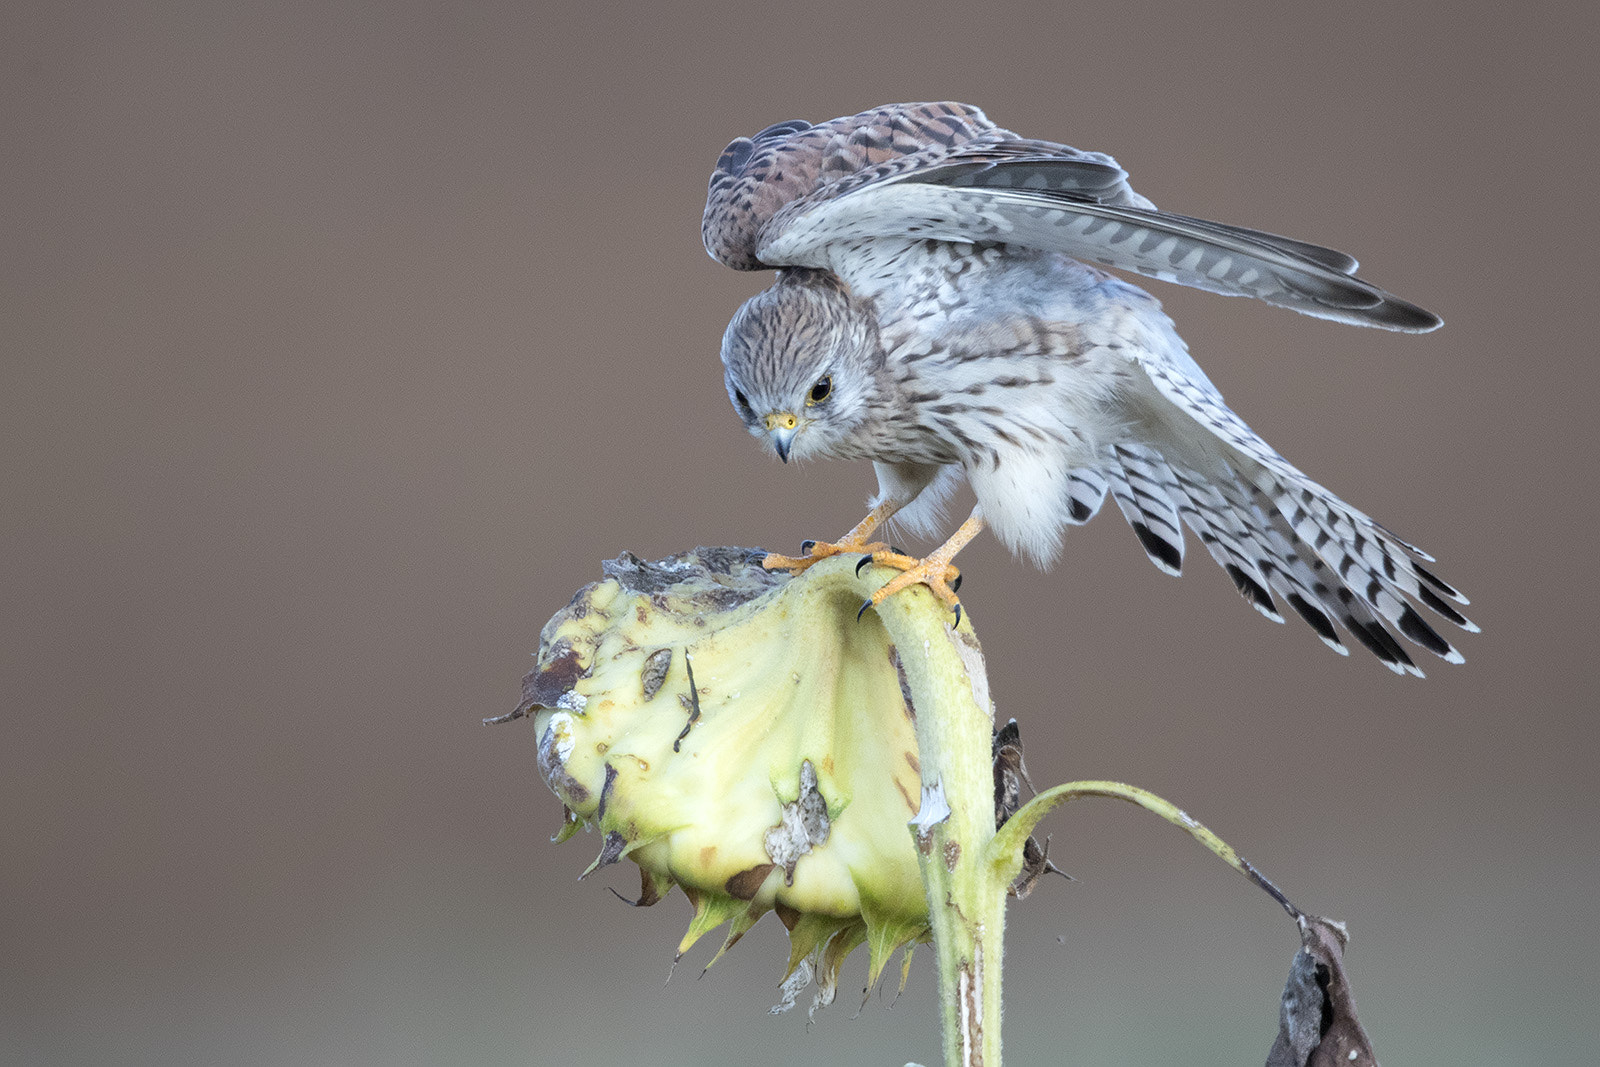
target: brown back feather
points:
(790, 166)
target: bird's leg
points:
(933, 571)
(854, 541)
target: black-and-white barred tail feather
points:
(1331, 564)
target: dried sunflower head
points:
(739, 734)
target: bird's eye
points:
(740, 402)
(820, 391)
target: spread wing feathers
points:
(1274, 531)
(1137, 484)
(799, 195)
(1086, 491)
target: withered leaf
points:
(1035, 865)
(649, 891)
(1010, 775)
(1317, 1023)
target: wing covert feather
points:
(802, 195)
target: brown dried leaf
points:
(1009, 772)
(1010, 775)
(1317, 1023)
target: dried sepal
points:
(570, 824)
(885, 932)
(711, 910)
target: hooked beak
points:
(781, 427)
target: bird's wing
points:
(1269, 525)
(816, 196)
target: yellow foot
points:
(935, 572)
(854, 541)
(816, 552)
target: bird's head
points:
(800, 361)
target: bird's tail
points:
(1277, 532)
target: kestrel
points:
(933, 313)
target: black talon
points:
(865, 604)
(806, 547)
(897, 550)
(958, 614)
(864, 561)
(955, 586)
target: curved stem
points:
(1005, 850)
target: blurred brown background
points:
(341, 342)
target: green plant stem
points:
(967, 866)
(1006, 848)
(966, 892)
